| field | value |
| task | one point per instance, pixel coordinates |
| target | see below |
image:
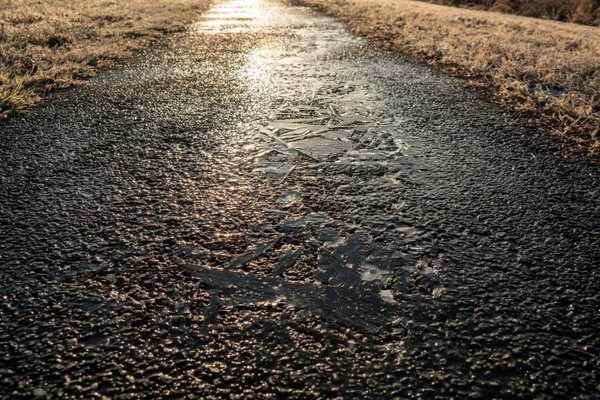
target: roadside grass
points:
(16, 96)
(547, 69)
(577, 11)
(52, 44)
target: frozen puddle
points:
(321, 121)
(370, 273)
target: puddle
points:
(352, 307)
(369, 273)
(274, 170)
(310, 220)
(328, 236)
(387, 296)
(321, 147)
(290, 197)
(325, 124)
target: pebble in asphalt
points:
(273, 209)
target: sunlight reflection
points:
(235, 16)
(258, 68)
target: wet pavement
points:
(274, 209)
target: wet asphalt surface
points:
(273, 209)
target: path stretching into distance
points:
(274, 209)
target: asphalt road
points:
(274, 209)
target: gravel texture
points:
(273, 209)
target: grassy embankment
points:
(577, 11)
(51, 44)
(548, 69)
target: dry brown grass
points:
(577, 11)
(50, 44)
(545, 68)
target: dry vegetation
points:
(50, 44)
(576, 11)
(545, 68)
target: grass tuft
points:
(15, 95)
